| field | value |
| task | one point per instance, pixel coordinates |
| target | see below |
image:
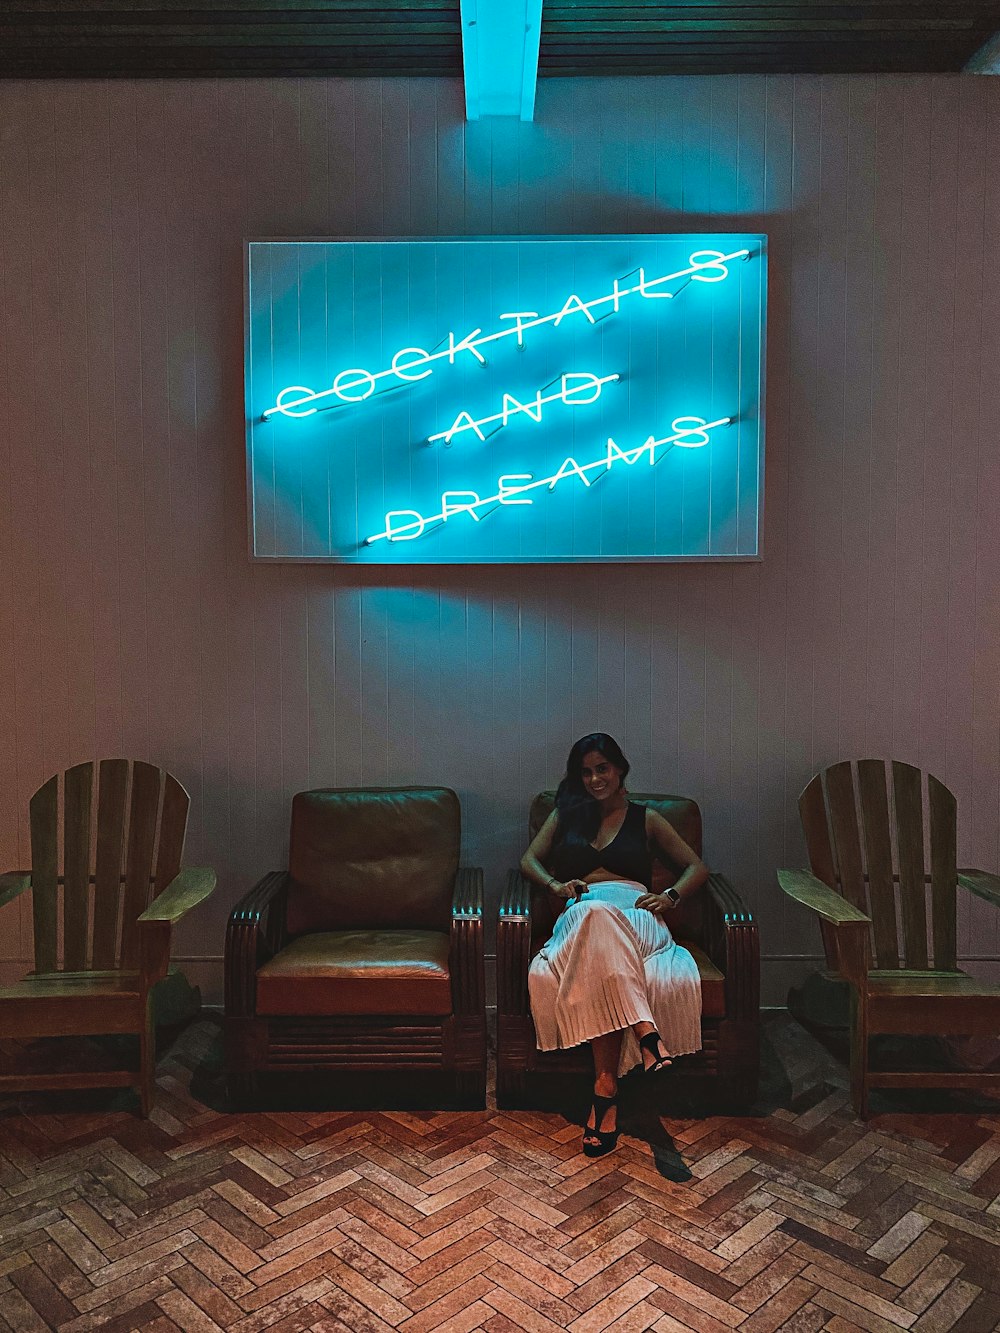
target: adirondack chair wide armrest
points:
(979, 882)
(850, 926)
(186, 890)
(811, 892)
(13, 884)
(183, 892)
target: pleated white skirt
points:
(609, 965)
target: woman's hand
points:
(656, 903)
(572, 888)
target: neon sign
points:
(380, 431)
(354, 386)
(584, 382)
(689, 437)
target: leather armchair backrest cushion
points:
(680, 811)
(373, 858)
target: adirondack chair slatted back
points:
(109, 869)
(865, 826)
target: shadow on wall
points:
(698, 154)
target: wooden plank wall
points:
(131, 621)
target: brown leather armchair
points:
(714, 924)
(367, 953)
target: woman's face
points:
(601, 779)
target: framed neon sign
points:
(506, 400)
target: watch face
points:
(673, 895)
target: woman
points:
(611, 974)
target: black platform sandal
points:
(653, 1042)
(607, 1140)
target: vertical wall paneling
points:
(807, 618)
(984, 766)
(855, 401)
(910, 643)
(14, 773)
(767, 673)
(887, 280)
(940, 259)
(132, 621)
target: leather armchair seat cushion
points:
(358, 972)
(380, 858)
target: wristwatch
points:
(673, 895)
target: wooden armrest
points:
(467, 900)
(468, 980)
(514, 945)
(734, 946)
(735, 911)
(13, 884)
(811, 892)
(850, 926)
(183, 892)
(515, 904)
(254, 934)
(186, 890)
(255, 905)
(982, 884)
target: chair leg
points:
(736, 1094)
(510, 1088)
(470, 1089)
(859, 1055)
(147, 1061)
(242, 1091)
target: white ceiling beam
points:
(987, 58)
(500, 57)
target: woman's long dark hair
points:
(579, 814)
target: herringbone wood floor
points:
(799, 1218)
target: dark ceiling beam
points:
(175, 38)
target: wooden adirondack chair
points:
(873, 875)
(115, 941)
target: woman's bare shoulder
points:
(654, 820)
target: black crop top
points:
(627, 854)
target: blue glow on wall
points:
(506, 400)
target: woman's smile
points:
(599, 776)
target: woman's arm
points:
(533, 869)
(677, 851)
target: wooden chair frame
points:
(859, 858)
(120, 888)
